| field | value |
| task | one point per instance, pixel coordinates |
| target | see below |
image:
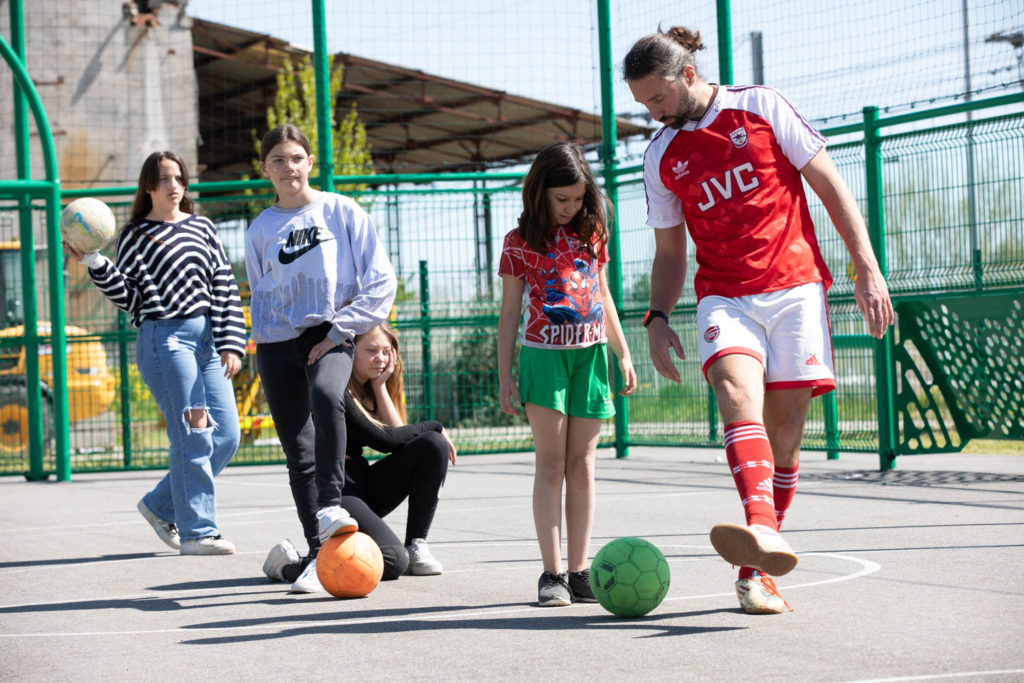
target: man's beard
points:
(686, 111)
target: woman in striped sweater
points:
(172, 277)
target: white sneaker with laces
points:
(308, 581)
(167, 531)
(279, 557)
(207, 545)
(759, 595)
(334, 521)
(755, 546)
(421, 561)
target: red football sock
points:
(750, 459)
(784, 488)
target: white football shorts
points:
(786, 330)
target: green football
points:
(629, 577)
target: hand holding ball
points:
(87, 225)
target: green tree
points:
(295, 102)
(640, 292)
(475, 397)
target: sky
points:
(831, 59)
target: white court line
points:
(163, 555)
(526, 501)
(934, 677)
(867, 567)
(52, 530)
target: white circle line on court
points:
(935, 677)
(867, 567)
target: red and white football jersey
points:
(734, 176)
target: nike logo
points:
(300, 241)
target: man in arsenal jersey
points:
(729, 166)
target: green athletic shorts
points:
(572, 381)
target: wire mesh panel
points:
(954, 217)
(116, 84)
(831, 60)
(450, 86)
(90, 356)
(427, 89)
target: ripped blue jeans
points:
(182, 369)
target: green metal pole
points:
(712, 416)
(126, 394)
(884, 366)
(724, 42)
(428, 375)
(324, 115)
(828, 402)
(33, 384)
(611, 186)
(58, 341)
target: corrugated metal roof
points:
(415, 121)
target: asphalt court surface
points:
(913, 574)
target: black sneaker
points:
(579, 586)
(553, 590)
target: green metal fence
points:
(938, 236)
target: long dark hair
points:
(287, 132)
(663, 54)
(560, 165)
(149, 180)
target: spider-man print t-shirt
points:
(563, 291)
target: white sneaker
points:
(759, 595)
(280, 556)
(207, 545)
(308, 581)
(755, 546)
(167, 531)
(421, 561)
(335, 521)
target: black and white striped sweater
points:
(175, 270)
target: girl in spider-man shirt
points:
(556, 257)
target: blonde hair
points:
(395, 384)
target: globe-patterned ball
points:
(87, 224)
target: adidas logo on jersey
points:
(680, 169)
(813, 360)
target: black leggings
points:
(308, 407)
(396, 558)
(415, 471)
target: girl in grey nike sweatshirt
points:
(318, 277)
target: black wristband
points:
(651, 314)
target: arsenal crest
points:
(739, 137)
